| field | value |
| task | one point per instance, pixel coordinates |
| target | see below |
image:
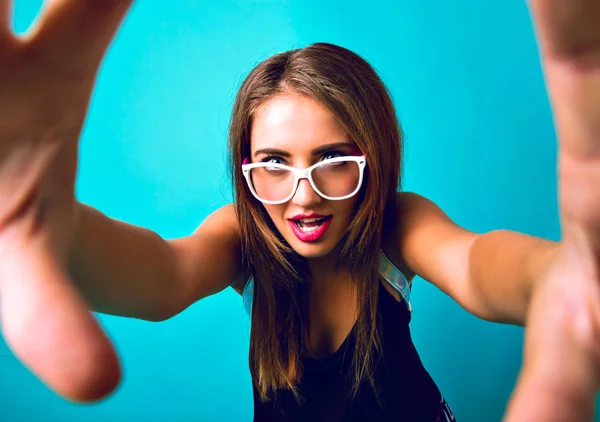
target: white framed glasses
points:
(334, 179)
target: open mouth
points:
(310, 229)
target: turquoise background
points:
(466, 80)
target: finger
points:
(568, 29)
(575, 95)
(5, 17)
(48, 327)
(79, 29)
(569, 38)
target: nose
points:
(305, 195)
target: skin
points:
(41, 114)
(562, 360)
(39, 216)
(297, 125)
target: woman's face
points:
(298, 131)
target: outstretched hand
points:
(46, 79)
(561, 371)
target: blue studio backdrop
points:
(466, 80)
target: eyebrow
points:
(316, 151)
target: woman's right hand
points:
(46, 79)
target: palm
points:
(45, 81)
(561, 370)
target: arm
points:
(503, 266)
(125, 270)
(490, 275)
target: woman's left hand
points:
(561, 369)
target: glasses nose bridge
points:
(301, 174)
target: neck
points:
(330, 281)
(326, 270)
(332, 305)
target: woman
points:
(312, 248)
(315, 147)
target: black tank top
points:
(406, 390)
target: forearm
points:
(121, 269)
(503, 267)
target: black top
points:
(407, 391)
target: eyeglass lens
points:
(334, 180)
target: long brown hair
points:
(349, 87)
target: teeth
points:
(309, 220)
(309, 224)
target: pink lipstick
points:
(310, 228)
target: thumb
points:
(48, 327)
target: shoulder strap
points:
(248, 295)
(387, 270)
(395, 278)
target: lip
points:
(313, 215)
(314, 235)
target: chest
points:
(333, 316)
(406, 391)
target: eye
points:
(334, 154)
(274, 159)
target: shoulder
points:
(416, 212)
(406, 207)
(211, 257)
(411, 202)
(229, 217)
(420, 234)
(226, 218)
(409, 208)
